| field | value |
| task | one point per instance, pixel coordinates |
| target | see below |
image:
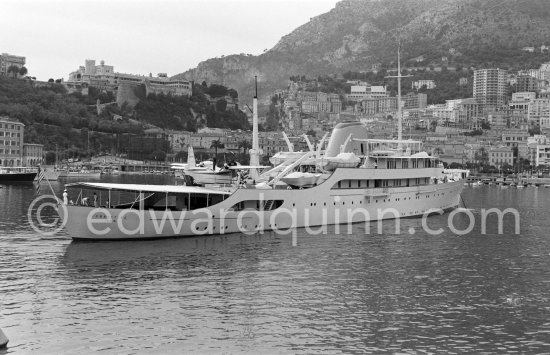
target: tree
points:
(245, 145)
(216, 144)
(233, 93)
(50, 80)
(23, 71)
(158, 155)
(221, 105)
(216, 90)
(455, 165)
(13, 70)
(481, 156)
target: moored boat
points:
(406, 183)
(91, 174)
(371, 179)
(17, 175)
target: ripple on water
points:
(258, 294)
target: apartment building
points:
(499, 156)
(413, 101)
(542, 154)
(315, 102)
(104, 77)
(418, 84)
(11, 142)
(490, 86)
(359, 93)
(539, 112)
(7, 60)
(32, 154)
(516, 138)
(526, 83)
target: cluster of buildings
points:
(10, 60)
(13, 151)
(104, 77)
(203, 141)
(504, 126)
(488, 128)
(304, 111)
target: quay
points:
(510, 180)
(145, 168)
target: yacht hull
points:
(204, 177)
(17, 178)
(316, 206)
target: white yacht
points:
(390, 174)
(357, 179)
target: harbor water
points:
(335, 292)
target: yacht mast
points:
(399, 111)
(255, 151)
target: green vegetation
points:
(54, 118)
(273, 119)
(446, 81)
(189, 113)
(71, 122)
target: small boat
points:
(203, 177)
(342, 160)
(83, 173)
(520, 186)
(17, 175)
(300, 179)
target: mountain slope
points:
(357, 34)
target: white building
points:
(522, 100)
(430, 84)
(362, 92)
(104, 76)
(490, 86)
(11, 142)
(7, 60)
(539, 111)
(542, 155)
(499, 156)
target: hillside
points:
(359, 34)
(71, 122)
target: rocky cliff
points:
(358, 34)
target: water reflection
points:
(362, 292)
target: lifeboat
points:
(300, 179)
(342, 160)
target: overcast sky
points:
(143, 36)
